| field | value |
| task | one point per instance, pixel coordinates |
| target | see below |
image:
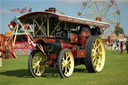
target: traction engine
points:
(63, 41)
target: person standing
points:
(118, 46)
(114, 46)
(127, 46)
(121, 47)
(0, 58)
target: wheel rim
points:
(67, 63)
(38, 64)
(98, 55)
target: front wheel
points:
(36, 63)
(95, 54)
(65, 63)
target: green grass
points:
(15, 72)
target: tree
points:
(118, 30)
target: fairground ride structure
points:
(101, 10)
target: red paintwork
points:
(12, 24)
(52, 56)
(23, 45)
(65, 45)
(75, 53)
(98, 18)
(45, 40)
(74, 38)
(84, 37)
(50, 62)
(78, 53)
(5, 43)
(81, 53)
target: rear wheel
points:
(95, 54)
(65, 63)
(36, 63)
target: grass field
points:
(15, 72)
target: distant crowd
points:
(118, 46)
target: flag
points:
(30, 10)
(15, 10)
(23, 10)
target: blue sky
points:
(69, 7)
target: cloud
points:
(72, 2)
(4, 11)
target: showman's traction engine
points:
(62, 41)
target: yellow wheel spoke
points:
(38, 70)
(93, 50)
(38, 64)
(98, 63)
(37, 58)
(34, 66)
(94, 63)
(94, 45)
(93, 54)
(98, 55)
(67, 63)
(35, 69)
(65, 71)
(93, 58)
(98, 46)
(63, 58)
(68, 68)
(63, 64)
(41, 59)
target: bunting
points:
(23, 10)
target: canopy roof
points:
(27, 18)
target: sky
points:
(69, 7)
